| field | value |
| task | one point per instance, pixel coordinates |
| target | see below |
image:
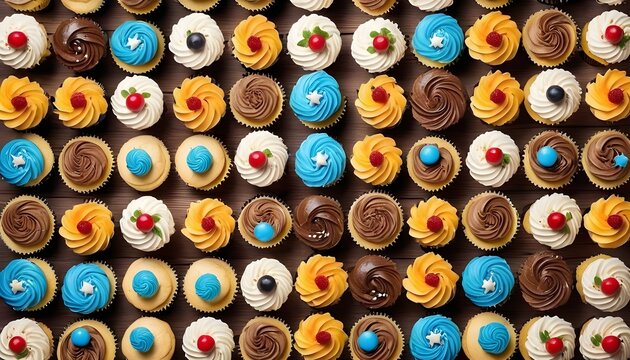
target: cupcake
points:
(611, 2)
(376, 337)
(88, 288)
(546, 281)
(605, 159)
(602, 281)
(265, 338)
(493, 4)
(438, 100)
(144, 162)
(24, 104)
(609, 95)
(261, 158)
(29, 5)
(493, 158)
(431, 5)
(435, 337)
(255, 5)
(316, 100)
(321, 281)
(376, 159)
(202, 162)
(27, 224)
(256, 101)
(431, 281)
(320, 336)
(553, 220)
(318, 221)
(26, 161)
(28, 284)
(608, 222)
(139, 7)
(375, 8)
(433, 222)
(314, 42)
(550, 160)
(605, 36)
(605, 337)
(312, 5)
(147, 224)
(86, 163)
(497, 98)
(148, 337)
(375, 220)
(87, 228)
(256, 43)
(83, 7)
(381, 102)
(320, 161)
(547, 337)
(79, 44)
(266, 284)
(137, 46)
(549, 37)
(433, 163)
(199, 5)
(438, 40)
(26, 44)
(150, 284)
(378, 45)
(264, 222)
(25, 338)
(489, 336)
(209, 224)
(138, 102)
(375, 282)
(89, 337)
(209, 286)
(487, 281)
(552, 96)
(199, 103)
(80, 103)
(208, 338)
(196, 41)
(493, 39)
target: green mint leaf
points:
(124, 93)
(623, 41)
(391, 38)
(374, 34)
(267, 153)
(137, 213)
(597, 281)
(390, 48)
(188, 32)
(146, 95)
(544, 336)
(385, 31)
(568, 216)
(306, 34)
(155, 218)
(133, 219)
(303, 43)
(596, 340)
(156, 230)
(321, 32)
(506, 160)
(371, 50)
(132, 90)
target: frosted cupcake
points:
(256, 43)
(431, 281)
(199, 5)
(433, 163)
(196, 41)
(604, 37)
(375, 220)
(312, 5)
(493, 158)
(138, 102)
(90, 337)
(488, 281)
(26, 161)
(318, 222)
(139, 7)
(438, 100)
(26, 44)
(489, 336)
(256, 101)
(199, 103)
(376, 336)
(314, 42)
(376, 159)
(493, 39)
(547, 337)
(79, 44)
(147, 224)
(137, 46)
(209, 224)
(433, 222)
(378, 45)
(608, 222)
(210, 285)
(381, 102)
(316, 100)
(80, 103)
(143, 162)
(148, 337)
(493, 4)
(150, 284)
(375, 8)
(497, 98)
(605, 337)
(320, 161)
(29, 5)
(602, 281)
(264, 222)
(552, 96)
(24, 103)
(431, 5)
(26, 339)
(208, 338)
(261, 158)
(553, 220)
(88, 288)
(202, 162)
(321, 281)
(28, 284)
(438, 40)
(27, 224)
(265, 337)
(550, 160)
(87, 228)
(609, 96)
(266, 284)
(86, 163)
(435, 337)
(490, 221)
(83, 7)
(320, 336)
(549, 37)
(605, 159)
(375, 282)
(546, 281)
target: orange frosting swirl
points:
(306, 337)
(325, 267)
(382, 173)
(499, 23)
(85, 116)
(101, 228)
(487, 110)
(429, 296)
(204, 115)
(263, 29)
(32, 113)
(418, 220)
(215, 231)
(377, 114)
(597, 95)
(596, 222)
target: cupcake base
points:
(396, 352)
(106, 333)
(522, 340)
(548, 63)
(197, 269)
(589, 57)
(499, 243)
(471, 346)
(278, 238)
(258, 124)
(258, 5)
(159, 171)
(107, 171)
(278, 324)
(440, 143)
(83, 7)
(164, 296)
(164, 340)
(199, 6)
(215, 175)
(149, 9)
(579, 271)
(602, 184)
(382, 10)
(30, 6)
(368, 245)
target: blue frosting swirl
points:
(208, 287)
(450, 339)
(145, 284)
(95, 279)
(199, 159)
(487, 269)
(132, 32)
(494, 338)
(317, 83)
(139, 162)
(442, 26)
(320, 146)
(141, 339)
(13, 154)
(29, 282)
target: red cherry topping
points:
(322, 282)
(323, 337)
(254, 43)
(610, 286)
(434, 223)
(611, 344)
(554, 345)
(556, 220)
(614, 34)
(208, 223)
(257, 159)
(77, 100)
(316, 42)
(615, 96)
(84, 227)
(615, 221)
(380, 95)
(497, 96)
(432, 279)
(376, 158)
(494, 39)
(193, 103)
(135, 102)
(205, 343)
(17, 344)
(145, 223)
(17, 39)
(494, 156)
(19, 102)
(380, 43)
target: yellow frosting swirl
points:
(82, 117)
(377, 174)
(478, 47)
(306, 337)
(212, 100)
(597, 95)
(221, 226)
(381, 115)
(265, 30)
(102, 228)
(36, 103)
(325, 266)
(596, 222)
(422, 293)
(421, 213)
(487, 110)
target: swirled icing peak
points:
(487, 280)
(86, 288)
(435, 337)
(134, 42)
(493, 39)
(320, 160)
(608, 221)
(438, 38)
(21, 162)
(438, 99)
(23, 284)
(316, 97)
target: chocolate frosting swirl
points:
(84, 162)
(546, 281)
(567, 163)
(267, 210)
(490, 217)
(375, 282)
(255, 97)
(388, 338)
(551, 36)
(319, 222)
(263, 341)
(438, 99)
(26, 222)
(437, 173)
(95, 350)
(373, 4)
(79, 44)
(138, 4)
(601, 154)
(376, 218)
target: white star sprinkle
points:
(314, 97)
(434, 338)
(320, 159)
(436, 41)
(488, 285)
(87, 288)
(133, 42)
(17, 286)
(18, 160)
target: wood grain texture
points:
(235, 191)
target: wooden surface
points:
(180, 252)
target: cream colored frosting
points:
(305, 57)
(597, 43)
(555, 112)
(162, 230)
(539, 212)
(605, 326)
(605, 268)
(611, 2)
(153, 105)
(485, 173)
(196, 23)
(218, 330)
(557, 328)
(270, 301)
(37, 341)
(36, 46)
(261, 141)
(312, 5)
(377, 62)
(431, 5)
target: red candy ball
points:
(494, 39)
(205, 343)
(322, 282)
(135, 102)
(323, 337)
(380, 43)
(614, 34)
(497, 96)
(554, 345)
(19, 102)
(615, 221)
(494, 156)
(77, 100)
(254, 43)
(435, 224)
(610, 286)
(611, 344)
(380, 95)
(616, 96)
(84, 227)
(556, 220)
(208, 223)
(193, 103)
(316, 42)
(257, 159)
(17, 39)
(432, 279)
(144, 223)
(376, 158)
(17, 344)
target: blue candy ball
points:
(547, 156)
(368, 341)
(80, 337)
(429, 155)
(263, 231)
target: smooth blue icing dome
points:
(139, 162)
(13, 154)
(141, 339)
(487, 268)
(494, 338)
(208, 287)
(450, 339)
(199, 159)
(324, 85)
(73, 282)
(442, 26)
(138, 31)
(145, 284)
(22, 274)
(306, 167)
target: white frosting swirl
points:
(611, 2)
(218, 330)
(539, 212)
(606, 268)
(431, 5)
(605, 326)
(485, 173)
(196, 23)
(37, 341)
(153, 105)
(312, 5)
(377, 62)
(557, 328)
(261, 141)
(560, 111)
(36, 45)
(270, 301)
(596, 41)
(162, 229)
(305, 57)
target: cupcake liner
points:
(50, 294)
(30, 7)
(516, 333)
(102, 327)
(213, 308)
(434, 64)
(393, 4)
(245, 5)
(529, 173)
(600, 184)
(490, 6)
(175, 279)
(102, 116)
(332, 120)
(351, 338)
(199, 6)
(258, 244)
(440, 141)
(249, 125)
(108, 153)
(586, 53)
(145, 68)
(222, 177)
(136, 12)
(87, 12)
(477, 242)
(278, 322)
(113, 279)
(49, 334)
(46, 149)
(22, 250)
(577, 38)
(579, 272)
(365, 244)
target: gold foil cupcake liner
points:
(108, 153)
(574, 50)
(516, 333)
(541, 183)
(175, 285)
(277, 321)
(239, 119)
(221, 307)
(351, 338)
(151, 65)
(477, 242)
(20, 250)
(250, 7)
(260, 244)
(330, 122)
(199, 6)
(366, 244)
(137, 12)
(600, 184)
(50, 294)
(427, 140)
(97, 324)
